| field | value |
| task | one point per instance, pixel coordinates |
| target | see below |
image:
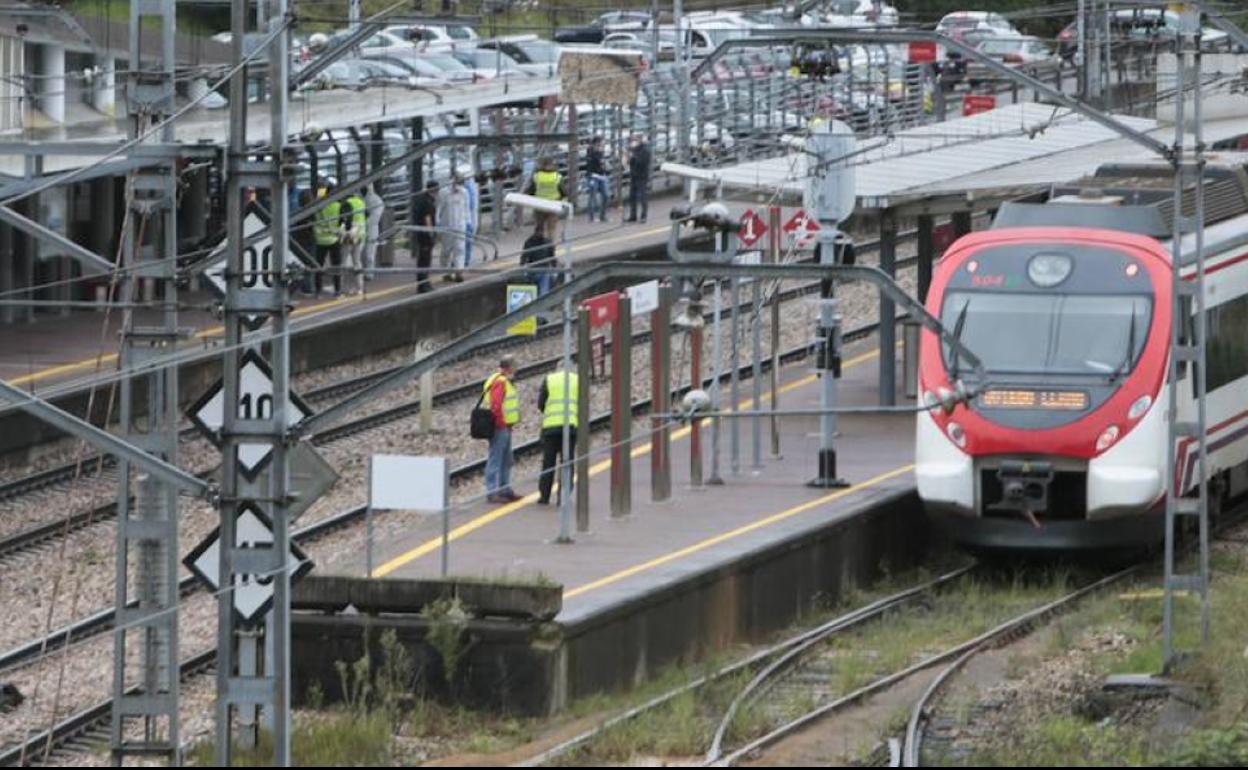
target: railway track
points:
(84, 726)
(74, 727)
(35, 538)
(96, 463)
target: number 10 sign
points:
(255, 402)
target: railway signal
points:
(255, 402)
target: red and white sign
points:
(801, 227)
(753, 228)
(973, 104)
(603, 308)
(922, 52)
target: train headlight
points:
(1047, 270)
(956, 434)
(1140, 406)
(1107, 438)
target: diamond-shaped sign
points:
(309, 475)
(255, 402)
(801, 227)
(253, 595)
(257, 262)
(753, 228)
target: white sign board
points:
(253, 595)
(748, 258)
(255, 402)
(257, 263)
(404, 483)
(643, 297)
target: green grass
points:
(329, 739)
(1217, 671)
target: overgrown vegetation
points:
(1128, 733)
(447, 618)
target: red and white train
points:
(1068, 304)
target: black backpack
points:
(481, 423)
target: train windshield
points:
(1058, 334)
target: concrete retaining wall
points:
(537, 668)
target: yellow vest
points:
(511, 399)
(546, 184)
(325, 227)
(560, 406)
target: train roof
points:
(1140, 199)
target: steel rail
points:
(82, 721)
(768, 676)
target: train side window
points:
(1186, 332)
(1226, 342)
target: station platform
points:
(57, 349)
(712, 565)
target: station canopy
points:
(1015, 146)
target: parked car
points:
(490, 63)
(613, 21)
(425, 65)
(531, 53)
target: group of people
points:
(345, 235)
(449, 214)
(556, 403)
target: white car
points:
(434, 33)
(386, 40)
(958, 23)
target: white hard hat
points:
(318, 40)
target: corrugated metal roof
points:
(1073, 164)
(911, 163)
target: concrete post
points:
(661, 396)
(52, 87)
(104, 85)
(621, 410)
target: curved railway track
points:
(90, 721)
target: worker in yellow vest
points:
(327, 230)
(557, 402)
(548, 184)
(504, 403)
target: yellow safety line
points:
(431, 545)
(742, 530)
(213, 331)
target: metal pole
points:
(735, 378)
(584, 370)
(888, 326)
(236, 145)
(279, 667)
(756, 424)
(152, 208)
(717, 368)
(661, 396)
(695, 427)
(565, 464)
(621, 409)
(774, 258)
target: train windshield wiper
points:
(1130, 354)
(957, 337)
